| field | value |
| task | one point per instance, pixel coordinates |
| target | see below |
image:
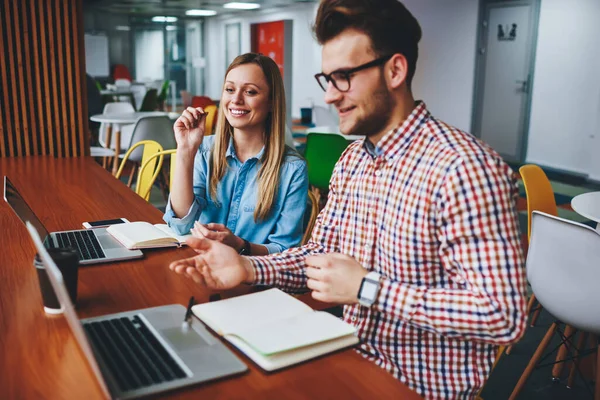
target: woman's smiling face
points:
(246, 97)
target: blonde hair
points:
(272, 159)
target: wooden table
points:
(40, 358)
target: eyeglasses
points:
(341, 77)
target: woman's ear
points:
(397, 70)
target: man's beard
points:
(381, 105)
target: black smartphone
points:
(104, 223)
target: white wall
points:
(565, 125)
(306, 58)
(446, 64)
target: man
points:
(419, 238)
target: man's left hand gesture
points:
(334, 278)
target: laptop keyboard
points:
(132, 353)
(85, 242)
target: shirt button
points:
(378, 173)
(353, 319)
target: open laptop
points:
(146, 351)
(93, 245)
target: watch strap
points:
(246, 249)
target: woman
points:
(242, 186)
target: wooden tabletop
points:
(40, 358)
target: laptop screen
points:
(21, 208)
(56, 279)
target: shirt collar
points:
(393, 141)
(231, 151)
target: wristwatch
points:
(369, 289)
(246, 250)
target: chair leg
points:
(562, 354)
(577, 358)
(508, 350)
(536, 314)
(536, 310)
(532, 363)
(131, 174)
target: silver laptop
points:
(146, 351)
(93, 245)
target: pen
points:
(188, 314)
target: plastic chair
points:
(149, 164)
(540, 196)
(150, 102)
(323, 150)
(562, 268)
(202, 101)
(106, 149)
(120, 71)
(211, 114)
(147, 177)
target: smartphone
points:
(104, 223)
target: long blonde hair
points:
(272, 159)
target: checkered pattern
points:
(434, 213)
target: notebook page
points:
(166, 229)
(237, 314)
(294, 332)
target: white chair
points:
(563, 268)
(139, 91)
(156, 128)
(126, 130)
(122, 83)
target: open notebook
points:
(143, 235)
(274, 329)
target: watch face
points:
(369, 290)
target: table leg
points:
(105, 162)
(117, 148)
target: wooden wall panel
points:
(43, 99)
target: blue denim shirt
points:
(237, 194)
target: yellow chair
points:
(147, 176)
(540, 197)
(149, 163)
(211, 116)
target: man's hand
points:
(217, 266)
(334, 278)
(218, 232)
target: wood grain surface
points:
(40, 358)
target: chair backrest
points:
(211, 116)
(157, 128)
(121, 71)
(186, 98)
(562, 268)
(162, 95)
(112, 108)
(150, 102)
(538, 189)
(153, 165)
(314, 213)
(148, 164)
(322, 151)
(122, 83)
(201, 101)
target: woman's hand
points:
(189, 129)
(218, 232)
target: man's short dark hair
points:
(389, 24)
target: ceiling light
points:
(200, 13)
(171, 28)
(164, 19)
(122, 28)
(242, 6)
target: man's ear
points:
(397, 70)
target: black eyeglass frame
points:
(345, 73)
